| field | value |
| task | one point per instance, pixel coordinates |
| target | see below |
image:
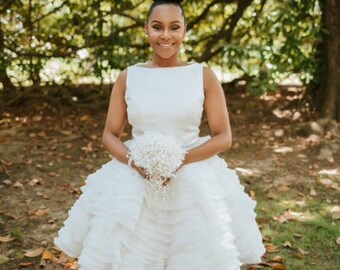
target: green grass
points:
(313, 241)
(18, 254)
(17, 233)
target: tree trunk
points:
(8, 86)
(330, 105)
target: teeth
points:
(165, 45)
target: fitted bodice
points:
(167, 100)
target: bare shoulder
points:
(122, 77)
(210, 81)
(120, 83)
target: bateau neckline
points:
(174, 67)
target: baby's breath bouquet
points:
(160, 155)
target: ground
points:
(293, 173)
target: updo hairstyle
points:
(166, 2)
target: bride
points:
(209, 221)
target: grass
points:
(16, 233)
(18, 254)
(308, 244)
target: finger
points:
(166, 182)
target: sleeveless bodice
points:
(166, 100)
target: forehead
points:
(166, 13)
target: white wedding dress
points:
(209, 220)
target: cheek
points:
(153, 35)
(179, 37)
(152, 38)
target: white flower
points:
(160, 155)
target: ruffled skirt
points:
(208, 222)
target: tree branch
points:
(7, 5)
(205, 12)
(50, 13)
(224, 33)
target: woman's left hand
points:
(167, 180)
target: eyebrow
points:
(155, 21)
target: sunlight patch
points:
(244, 171)
(283, 150)
(329, 172)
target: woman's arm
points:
(115, 122)
(217, 114)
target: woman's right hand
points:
(140, 170)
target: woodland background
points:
(279, 64)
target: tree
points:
(327, 79)
(262, 41)
(4, 61)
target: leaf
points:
(52, 174)
(287, 244)
(299, 255)
(271, 195)
(277, 258)
(7, 182)
(3, 259)
(271, 248)
(312, 192)
(37, 118)
(18, 184)
(36, 181)
(283, 188)
(84, 118)
(44, 196)
(94, 137)
(26, 264)
(66, 132)
(42, 263)
(47, 255)
(41, 212)
(302, 251)
(67, 157)
(329, 183)
(72, 265)
(278, 266)
(292, 215)
(335, 211)
(6, 239)
(34, 252)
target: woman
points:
(209, 220)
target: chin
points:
(166, 55)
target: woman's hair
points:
(166, 2)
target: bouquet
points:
(160, 155)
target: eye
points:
(175, 27)
(157, 27)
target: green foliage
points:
(264, 39)
(17, 233)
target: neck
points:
(161, 62)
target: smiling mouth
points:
(166, 45)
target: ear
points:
(146, 29)
(185, 30)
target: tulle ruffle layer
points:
(209, 222)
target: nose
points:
(166, 34)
